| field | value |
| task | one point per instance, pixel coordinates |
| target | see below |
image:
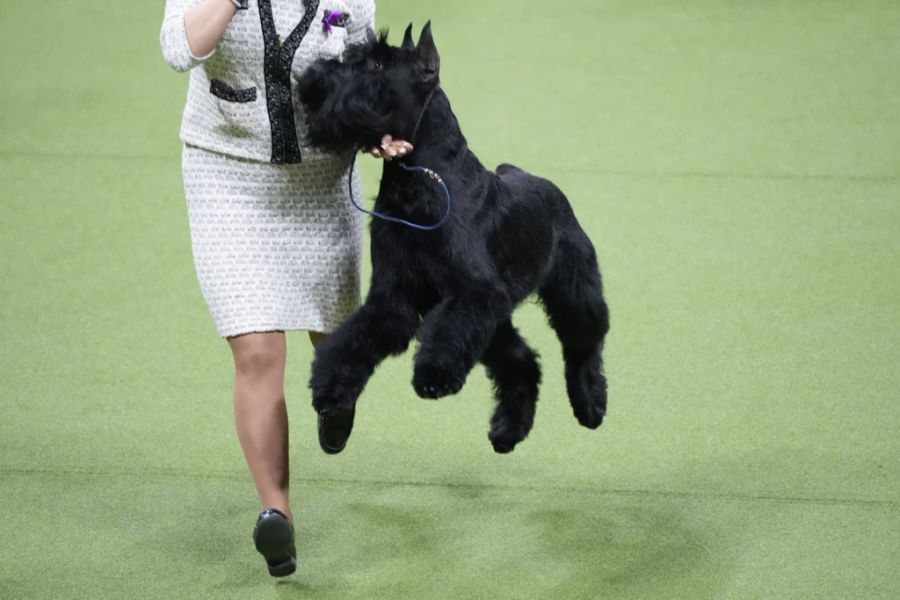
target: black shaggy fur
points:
(510, 234)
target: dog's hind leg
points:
(572, 295)
(513, 367)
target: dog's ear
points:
(408, 43)
(429, 62)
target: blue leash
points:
(428, 172)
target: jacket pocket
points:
(220, 89)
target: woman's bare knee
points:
(258, 355)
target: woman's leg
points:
(260, 413)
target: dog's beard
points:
(347, 124)
(340, 121)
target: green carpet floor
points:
(737, 165)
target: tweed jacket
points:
(242, 98)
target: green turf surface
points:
(738, 167)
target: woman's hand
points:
(391, 148)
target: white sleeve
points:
(173, 40)
(362, 20)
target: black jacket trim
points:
(220, 89)
(277, 67)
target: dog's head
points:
(374, 89)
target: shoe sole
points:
(274, 540)
(339, 426)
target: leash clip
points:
(431, 174)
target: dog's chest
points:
(427, 264)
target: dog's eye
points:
(375, 65)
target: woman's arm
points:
(205, 23)
(191, 30)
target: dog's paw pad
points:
(432, 383)
(433, 392)
(427, 391)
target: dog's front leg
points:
(453, 337)
(346, 359)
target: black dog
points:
(509, 234)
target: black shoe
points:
(274, 538)
(335, 428)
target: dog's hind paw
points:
(592, 419)
(587, 394)
(508, 428)
(432, 382)
(590, 416)
(504, 441)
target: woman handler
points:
(275, 241)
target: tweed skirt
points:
(275, 247)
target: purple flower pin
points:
(334, 18)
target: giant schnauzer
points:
(509, 234)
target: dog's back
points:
(543, 193)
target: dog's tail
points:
(508, 169)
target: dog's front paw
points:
(332, 401)
(432, 381)
(334, 388)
